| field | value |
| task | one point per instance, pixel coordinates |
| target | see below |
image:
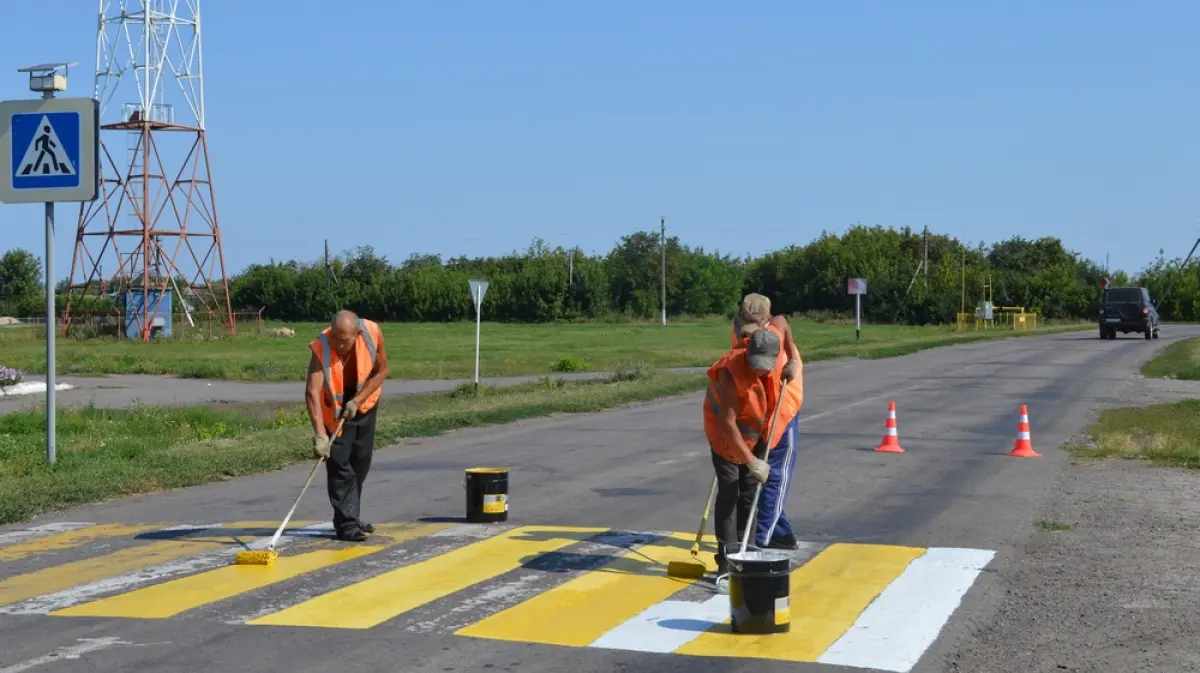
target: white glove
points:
(790, 370)
(321, 445)
(760, 469)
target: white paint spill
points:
(472, 531)
(39, 531)
(85, 646)
(665, 626)
(681, 457)
(46, 603)
(31, 387)
(904, 620)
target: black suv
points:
(1125, 310)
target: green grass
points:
(1162, 434)
(437, 351)
(106, 453)
(1180, 360)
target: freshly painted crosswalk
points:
(868, 606)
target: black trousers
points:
(731, 509)
(346, 470)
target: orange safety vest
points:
(757, 400)
(365, 350)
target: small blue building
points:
(159, 313)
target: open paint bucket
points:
(760, 591)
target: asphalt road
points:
(891, 541)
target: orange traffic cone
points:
(891, 440)
(1023, 448)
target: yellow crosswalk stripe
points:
(827, 595)
(374, 601)
(137, 557)
(173, 597)
(585, 608)
(69, 539)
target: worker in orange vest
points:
(743, 394)
(345, 380)
(772, 526)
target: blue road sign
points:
(49, 150)
(45, 150)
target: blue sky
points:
(473, 127)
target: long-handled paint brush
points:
(695, 568)
(751, 520)
(266, 557)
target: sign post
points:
(857, 287)
(48, 151)
(478, 289)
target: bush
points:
(569, 365)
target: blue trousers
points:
(771, 520)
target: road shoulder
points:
(1110, 579)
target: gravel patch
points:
(1119, 590)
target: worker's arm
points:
(379, 373)
(728, 394)
(312, 395)
(789, 343)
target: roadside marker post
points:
(478, 289)
(49, 151)
(857, 287)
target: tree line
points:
(913, 277)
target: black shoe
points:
(352, 536)
(367, 528)
(784, 542)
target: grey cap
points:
(764, 348)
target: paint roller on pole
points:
(48, 151)
(478, 289)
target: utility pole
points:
(926, 261)
(570, 267)
(663, 224)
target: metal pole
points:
(478, 310)
(51, 360)
(663, 223)
(50, 324)
(857, 316)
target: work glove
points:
(790, 370)
(760, 469)
(350, 410)
(320, 447)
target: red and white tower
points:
(150, 246)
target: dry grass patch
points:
(1163, 434)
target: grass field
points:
(438, 351)
(104, 453)
(1180, 360)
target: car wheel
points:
(1103, 332)
(1149, 334)
(1155, 332)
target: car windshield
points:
(1124, 294)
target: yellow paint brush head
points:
(686, 569)
(255, 558)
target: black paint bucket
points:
(487, 494)
(760, 590)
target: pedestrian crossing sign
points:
(48, 147)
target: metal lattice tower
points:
(154, 227)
